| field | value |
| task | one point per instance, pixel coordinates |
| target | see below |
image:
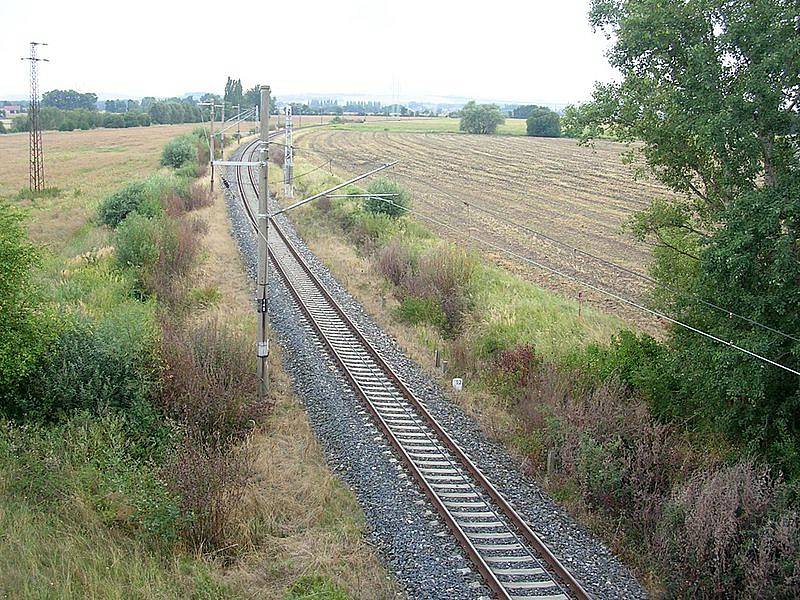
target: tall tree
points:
(712, 89)
(69, 99)
(523, 112)
(480, 118)
(543, 122)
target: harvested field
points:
(581, 196)
(423, 125)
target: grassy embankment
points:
(132, 464)
(560, 387)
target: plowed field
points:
(579, 195)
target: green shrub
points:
(178, 151)
(137, 243)
(600, 470)
(123, 202)
(161, 185)
(369, 230)
(188, 170)
(160, 253)
(96, 366)
(398, 203)
(421, 310)
(638, 360)
(25, 325)
(84, 465)
(444, 275)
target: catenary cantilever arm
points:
(334, 188)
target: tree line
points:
(485, 118)
(162, 112)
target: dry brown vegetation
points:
(266, 510)
(688, 522)
(295, 517)
(580, 195)
(86, 166)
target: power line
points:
(605, 292)
(614, 265)
(609, 263)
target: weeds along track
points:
(513, 561)
(582, 196)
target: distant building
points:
(12, 109)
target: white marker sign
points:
(458, 384)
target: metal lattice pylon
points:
(288, 157)
(34, 122)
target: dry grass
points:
(580, 195)
(297, 518)
(305, 522)
(86, 166)
(302, 520)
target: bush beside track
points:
(575, 395)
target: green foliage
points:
(315, 587)
(2, 128)
(145, 197)
(88, 462)
(120, 204)
(480, 118)
(712, 101)
(189, 170)
(399, 202)
(543, 122)
(101, 355)
(137, 242)
(95, 366)
(523, 112)
(600, 469)
(178, 152)
(19, 123)
(636, 359)
(25, 324)
(69, 99)
(421, 310)
(233, 92)
(175, 111)
(114, 121)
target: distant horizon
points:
(291, 97)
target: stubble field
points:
(579, 195)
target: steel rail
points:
(531, 538)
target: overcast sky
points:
(523, 50)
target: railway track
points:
(511, 558)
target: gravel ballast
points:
(411, 539)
